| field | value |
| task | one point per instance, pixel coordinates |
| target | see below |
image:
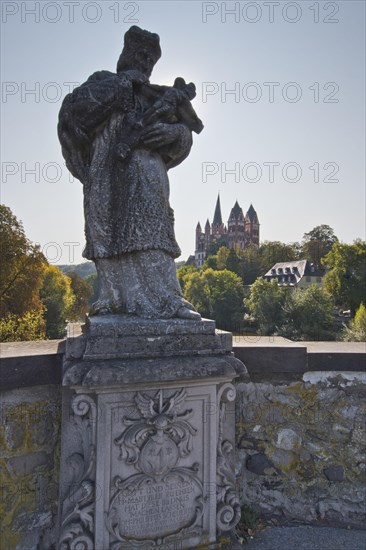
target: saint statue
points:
(120, 135)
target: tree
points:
(318, 242)
(272, 252)
(266, 303)
(222, 257)
(58, 299)
(30, 326)
(217, 295)
(21, 268)
(357, 329)
(346, 279)
(299, 314)
(183, 272)
(233, 262)
(82, 291)
(210, 262)
(250, 264)
(308, 315)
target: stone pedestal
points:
(148, 435)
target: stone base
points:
(148, 436)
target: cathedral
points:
(240, 231)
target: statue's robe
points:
(126, 203)
(129, 224)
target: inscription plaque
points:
(172, 504)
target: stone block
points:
(334, 473)
(30, 463)
(258, 464)
(123, 336)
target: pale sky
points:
(280, 90)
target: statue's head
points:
(141, 51)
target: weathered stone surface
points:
(258, 464)
(29, 433)
(316, 445)
(334, 473)
(148, 435)
(158, 463)
(32, 462)
(119, 136)
(132, 371)
(119, 336)
(288, 440)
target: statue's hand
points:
(160, 134)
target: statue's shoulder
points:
(101, 75)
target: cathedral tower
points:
(251, 227)
(236, 227)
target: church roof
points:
(252, 215)
(236, 211)
(217, 220)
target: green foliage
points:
(210, 262)
(222, 257)
(21, 268)
(82, 291)
(299, 314)
(217, 295)
(308, 315)
(58, 299)
(357, 328)
(29, 326)
(346, 280)
(217, 243)
(249, 522)
(252, 262)
(182, 273)
(266, 303)
(83, 270)
(272, 252)
(318, 242)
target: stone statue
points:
(120, 135)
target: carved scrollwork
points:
(77, 525)
(228, 505)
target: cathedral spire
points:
(217, 220)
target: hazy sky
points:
(280, 90)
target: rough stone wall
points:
(29, 466)
(301, 448)
(301, 445)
